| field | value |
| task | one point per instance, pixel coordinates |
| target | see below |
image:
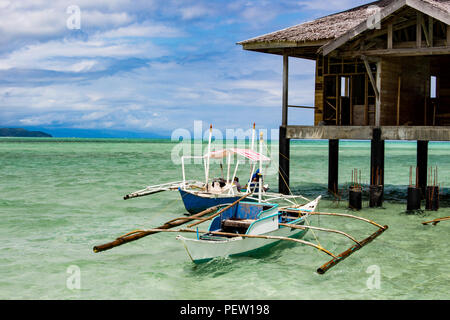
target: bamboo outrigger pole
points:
(138, 234)
(319, 229)
(350, 251)
(347, 216)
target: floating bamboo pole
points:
(435, 221)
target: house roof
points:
(346, 24)
(329, 27)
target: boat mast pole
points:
(209, 156)
(228, 171)
(253, 165)
(260, 166)
(184, 173)
(253, 136)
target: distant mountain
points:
(19, 132)
(102, 133)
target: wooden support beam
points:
(396, 27)
(399, 99)
(408, 52)
(425, 31)
(419, 30)
(283, 160)
(301, 107)
(430, 30)
(390, 37)
(448, 36)
(369, 73)
(378, 96)
(338, 113)
(284, 119)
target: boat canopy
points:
(246, 153)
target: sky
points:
(149, 66)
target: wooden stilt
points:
(377, 169)
(333, 166)
(284, 154)
(422, 165)
(399, 99)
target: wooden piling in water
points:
(432, 191)
(333, 166)
(422, 165)
(355, 191)
(414, 197)
(376, 189)
(284, 155)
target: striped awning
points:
(246, 153)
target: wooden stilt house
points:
(382, 73)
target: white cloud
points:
(332, 5)
(145, 30)
(194, 12)
(82, 55)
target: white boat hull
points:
(204, 250)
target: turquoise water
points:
(61, 197)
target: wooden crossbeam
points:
(302, 107)
(402, 52)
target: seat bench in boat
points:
(237, 223)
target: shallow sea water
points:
(61, 197)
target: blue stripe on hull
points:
(195, 204)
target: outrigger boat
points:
(198, 196)
(242, 228)
(251, 219)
